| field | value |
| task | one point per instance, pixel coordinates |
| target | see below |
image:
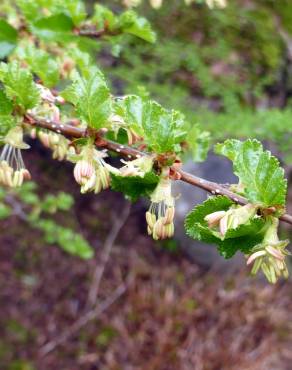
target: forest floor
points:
(172, 315)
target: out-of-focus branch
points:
(90, 33)
(93, 314)
(118, 222)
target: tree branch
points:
(131, 153)
(118, 223)
(93, 314)
(92, 33)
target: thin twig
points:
(16, 207)
(91, 33)
(129, 152)
(83, 320)
(119, 222)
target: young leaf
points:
(82, 59)
(130, 109)
(103, 16)
(242, 238)
(67, 239)
(130, 22)
(230, 148)
(36, 9)
(163, 129)
(8, 38)
(6, 123)
(42, 64)
(195, 225)
(228, 247)
(91, 97)
(53, 203)
(29, 8)
(56, 28)
(258, 171)
(5, 211)
(135, 186)
(6, 106)
(198, 143)
(75, 9)
(19, 85)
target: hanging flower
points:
(137, 167)
(216, 4)
(131, 3)
(47, 108)
(47, 95)
(231, 219)
(156, 4)
(269, 256)
(91, 171)
(12, 168)
(57, 143)
(160, 215)
(47, 111)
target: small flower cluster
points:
(12, 168)
(160, 215)
(269, 256)
(231, 219)
(137, 167)
(221, 4)
(47, 108)
(57, 143)
(91, 171)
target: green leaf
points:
(91, 97)
(75, 9)
(36, 9)
(42, 64)
(135, 186)
(254, 226)
(65, 201)
(130, 22)
(230, 148)
(54, 28)
(27, 193)
(228, 247)
(6, 106)
(103, 16)
(195, 225)
(29, 8)
(198, 143)
(130, 109)
(82, 59)
(67, 239)
(258, 171)
(163, 129)
(5, 211)
(6, 123)
(17, 83)
(53, 203)
(8, 38)
(243, 238)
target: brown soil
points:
(173, 316)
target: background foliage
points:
(227, 69)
